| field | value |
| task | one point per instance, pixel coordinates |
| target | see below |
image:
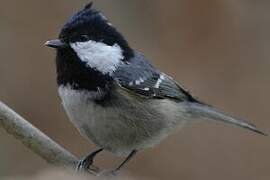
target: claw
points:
(80, 166)
(86, 162)
(83, 164)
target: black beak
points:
(56, 43)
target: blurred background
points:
(219, 49)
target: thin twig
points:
(36, 140)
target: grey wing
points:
(139, 76)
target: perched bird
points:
(114, 96)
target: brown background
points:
(219, 49)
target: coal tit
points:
(114, 96)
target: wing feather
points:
(139, 76)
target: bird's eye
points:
(84, 38)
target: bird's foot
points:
(85, 164)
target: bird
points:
(113, 94)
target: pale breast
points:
(121, 125)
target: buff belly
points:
(123, 124)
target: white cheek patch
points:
(98, 55)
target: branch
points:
(36, 140)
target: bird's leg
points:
(87, 161)
(130, 156)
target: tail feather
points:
(208, 112)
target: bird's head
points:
(92, 38)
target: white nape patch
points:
(105, 18)
(146, 89)
(161, 77)
(98, 55)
